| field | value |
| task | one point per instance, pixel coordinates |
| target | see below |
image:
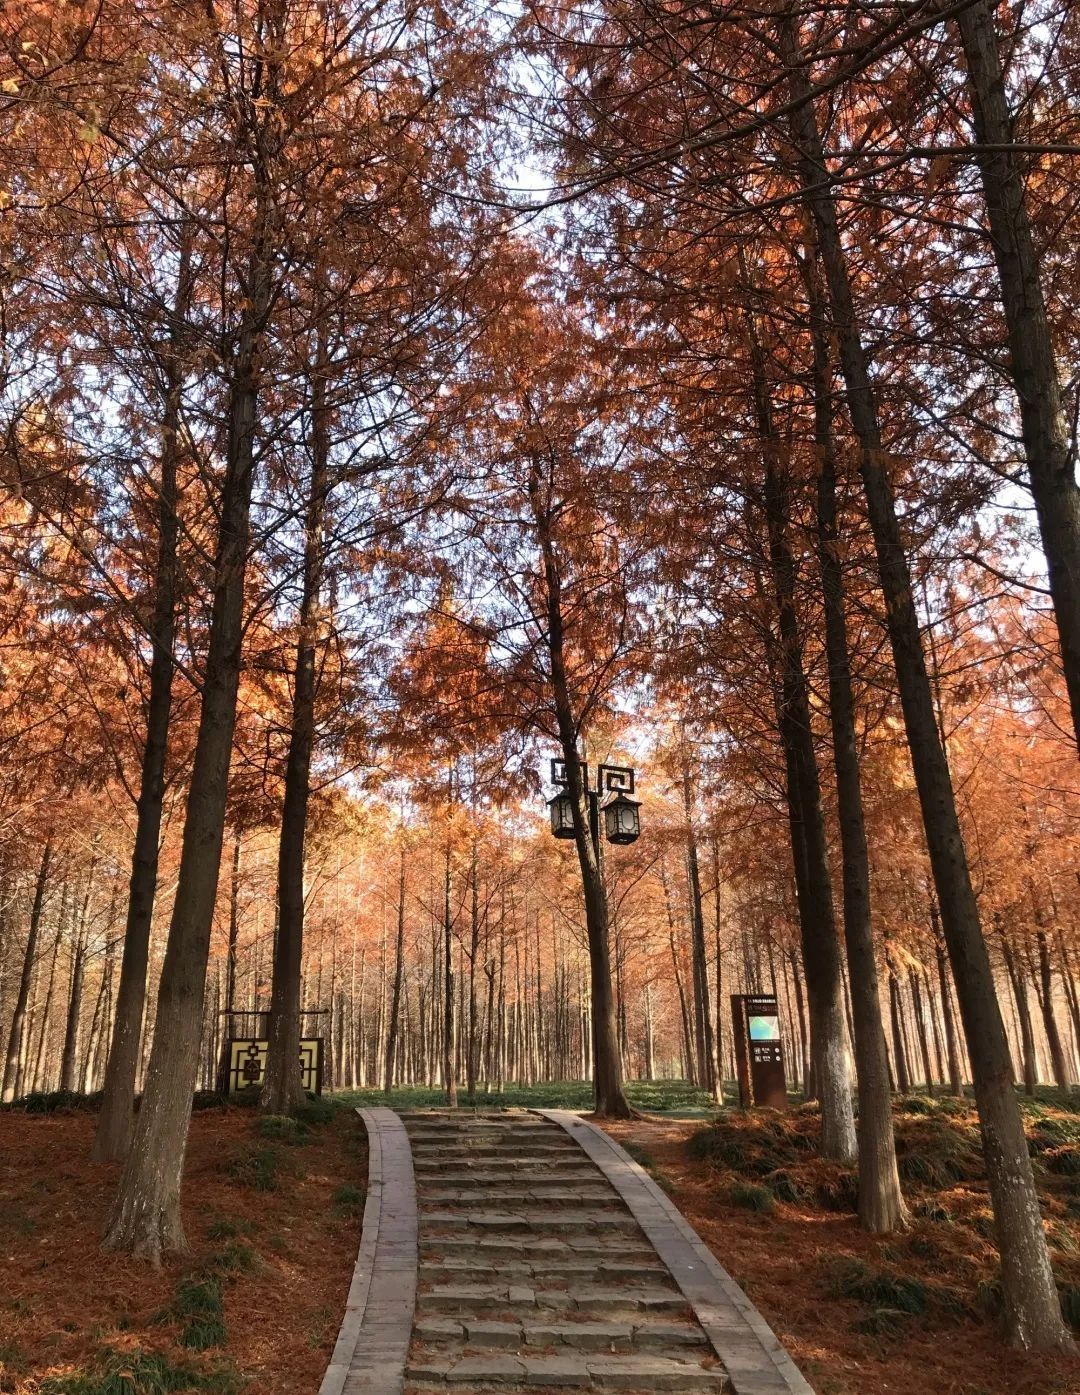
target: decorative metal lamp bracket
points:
(612, 779)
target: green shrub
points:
(930, 1209)
(228, 1228)
(200, 1308)
(209, 1099)
(348, 1195)
(755, 1145)
(936, 1154)
(1064, 1161)
(880, 1289)
(753, 1198)
(1051, 1132)
(140, 1373)
(280, 1128)
(922, 1247)
(235, 1258)
(256, 1168)
(317, 1111)
(52, 1101)
(787, 1187)
(839, 1192)
(1070, 1303)
(916, 1104)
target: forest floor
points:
(862, 1315)
(272, 1211)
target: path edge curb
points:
(753, 1356)
(381, 1258)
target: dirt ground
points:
(785, 1261)
(282, 1257)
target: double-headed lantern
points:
(619, 808)
(622, 823)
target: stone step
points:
(538, 1195)
(574, 1370)
(467, 1114)
(490, 1248)
(565, 1221)
(451, 1269)
(508, 1164)
(433, 1124)
(586, 1299)
(483, 1175)
(582, 1336)
(470, 1145)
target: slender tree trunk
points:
(903, 1079)
(1032, 363)
(16, 1043)
(1032, 1310)
(399, 971)
(38, 1078)
(1018, 980)
(800, 1004)
(146, 1213)
(881, 1204)
(920, 1029)
(283, 1088)
(449, 1074)
(609, 1099)
(1058, 1063)
(116, 1120)
(817, 921)
(707, 1071)
(69, 1061)
(956, 1079)
(474, 951)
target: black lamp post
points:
(613, 797)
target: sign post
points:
(759, 1059)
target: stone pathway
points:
(534, 1273)
(526, 1250)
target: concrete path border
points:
(750, 1351)
(373, 1343)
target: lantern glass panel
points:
(621, 822)
(562, 815)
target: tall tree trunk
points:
(231, 947)
(609, 1099)
(69, 1061)
(1032, 1310)
(112, 1136)
(37, 1079)
(881, 1204)
(1058, 1062)
(16, 1043)
(146, 1213)
(956, 1078)
(1032, 363)
(684, 1010)
(474, 951)
(399, 971)
(707, 1069)
(449, 1074)
(903, 1079)
(1018, 979)
(817, 921)
(920, 1029)
(804, 1045)
(283, 1088)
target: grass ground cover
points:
(864, 1315)
(254, 1308)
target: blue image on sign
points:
(764, 1029)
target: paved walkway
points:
(546, 1259)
